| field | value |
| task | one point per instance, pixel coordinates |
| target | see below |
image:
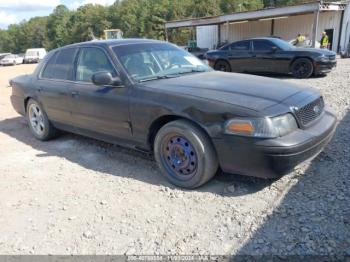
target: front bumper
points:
(324, 67)
(7, 63)
(30, 60)
(270, 158)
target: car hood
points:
(253, 92)
(315, 50)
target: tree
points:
(230, 6)
(57, 27)
(201, 8)
(86, 21)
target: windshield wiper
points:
(192, 71)
(158, 77)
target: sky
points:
(14, 11)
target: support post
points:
(272, 27)
(315, 26)
(219, 35)
(166, 34)
(340, 31)
(227, 30)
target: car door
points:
(264, 56)
(239, 56)
(53, 84)
(99, 109)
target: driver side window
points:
(92, 60)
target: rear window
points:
(60, 65)
(50, 67)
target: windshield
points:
(152, 61)
(9, 56)
(284, 45)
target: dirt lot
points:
(75, 195)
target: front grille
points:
(310, 112)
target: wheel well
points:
(162, 121)
(222, 60)
(296, 58)
(158, 124)
(26, 103)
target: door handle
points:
(39, 89)
(75, 93)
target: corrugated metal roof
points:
(258, 14)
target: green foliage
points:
(136, 18)
(89, 20)
(229, 6)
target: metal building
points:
(345, 34)
(309, 19)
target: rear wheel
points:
(185, 154)
(302, 68)
(223, 66)
(39, 123)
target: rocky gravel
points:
(75, 195)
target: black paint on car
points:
(156, 97)
(271, 55)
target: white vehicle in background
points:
(11, 60)
(307, 43)
(34, 55)
(2, 55)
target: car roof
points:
(259, 38)
(114, 42)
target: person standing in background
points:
(324, 40)
(299, 40)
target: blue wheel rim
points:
(179, 157)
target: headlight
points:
(324, 58)
(262, 127)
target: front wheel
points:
(302, 68)
(185, 154)
(39, 123)
(222, 66)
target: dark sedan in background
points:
(156, 97)
(271, 55)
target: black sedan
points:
(156, 97)
(271, 55)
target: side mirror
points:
(274, 49)
(106, 79)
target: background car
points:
(2, 55)
(34, 55)
(11, 60)
(271, 55)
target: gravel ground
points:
(75, 195)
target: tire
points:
(302, 68)
(185, 154)
(223, 66)
(38, 121)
